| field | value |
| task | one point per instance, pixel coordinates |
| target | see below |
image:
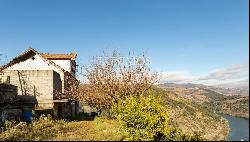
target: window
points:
(8, 79)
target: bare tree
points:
(0, 59)
(71, 90)
(112, 77)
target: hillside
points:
(193, 117)
(233, 105)
(243, 91)
(213, 98)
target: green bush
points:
(144, 117)
(8, 124)
(175, 134)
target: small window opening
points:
(8, 80)
(33, 58)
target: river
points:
(239, 128)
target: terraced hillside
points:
(193, 117)
(235, 105)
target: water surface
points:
(239, 128)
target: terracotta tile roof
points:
(70, 56)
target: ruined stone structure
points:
(44, 76)
(12, 105)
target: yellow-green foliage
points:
(144, 117)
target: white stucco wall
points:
(37, 64)
(65, 64)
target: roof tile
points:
(70, 56)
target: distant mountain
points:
(244, 91)
(184, 85)
(244, 84)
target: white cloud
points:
(176, 77)
(234, 75)
(233, 72)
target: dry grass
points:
(98, 129)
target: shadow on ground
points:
(83, 116)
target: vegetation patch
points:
(47, 129)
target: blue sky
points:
(187, 37)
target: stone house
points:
(46, 77)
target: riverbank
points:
(239, 128)
(233, 105)
(236, 115)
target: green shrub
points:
(144, 117)
(175, 134)
(8, 124)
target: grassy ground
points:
(96, 129)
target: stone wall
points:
(9, 108)
(57, 84)
(39, 83)
(8, 93)
(7, 90)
